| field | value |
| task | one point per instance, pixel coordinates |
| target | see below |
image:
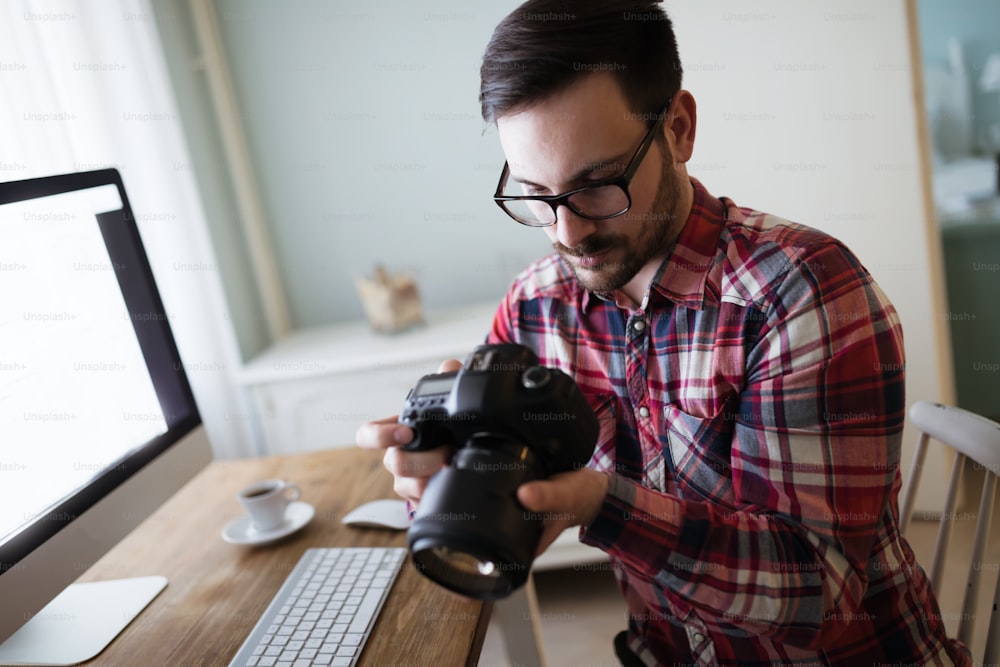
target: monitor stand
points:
(78, 623)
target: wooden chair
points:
(977, 438)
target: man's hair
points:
(544, 46)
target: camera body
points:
(510, 421)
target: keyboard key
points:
(369, 606)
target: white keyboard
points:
(325, 610)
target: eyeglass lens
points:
(599, 202)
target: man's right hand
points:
(411, 471)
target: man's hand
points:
(564, 500)
(411, 471)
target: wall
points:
(370, 148)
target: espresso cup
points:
(267, 501)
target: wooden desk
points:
(217, 591)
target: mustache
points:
(589, 246)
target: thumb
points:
(542, 496)
(449, 366)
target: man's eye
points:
(597, 177)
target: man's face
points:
(584, 134)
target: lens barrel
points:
(470, 534)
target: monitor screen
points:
(92, 389)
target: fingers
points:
(564, 500)
(383, 433)
(415, 464)
(578, 494)
(449, 366)
(411, 471)
(410, 489)
(533, 495)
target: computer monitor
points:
(98, 424)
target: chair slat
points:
(967, 622)
(912, 484)
(947, 523)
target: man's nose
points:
(570, 228)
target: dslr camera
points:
(510, 421)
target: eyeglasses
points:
(606, 198)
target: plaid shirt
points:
(752, 412)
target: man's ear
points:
(681, 125)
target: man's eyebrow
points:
(617, 162)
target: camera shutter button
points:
(535, 377)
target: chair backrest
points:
(974, 437)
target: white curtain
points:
(84, 85)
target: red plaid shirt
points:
(752, 412)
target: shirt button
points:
(698, 637)
(644, 411)
(639, 325)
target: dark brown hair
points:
(543, 46)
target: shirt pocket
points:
(698, 452)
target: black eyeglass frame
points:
(555, 201)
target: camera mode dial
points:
(535, 377)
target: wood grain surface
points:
(217, 591)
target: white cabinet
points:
(313, 389)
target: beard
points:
(659, 228)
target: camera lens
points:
(470, 534)
(466, 563)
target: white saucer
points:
(241, 530)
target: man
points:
(747, 371)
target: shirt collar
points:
(684, 273)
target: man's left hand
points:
(564, 500)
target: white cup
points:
(267, 501)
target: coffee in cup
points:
(266, 502)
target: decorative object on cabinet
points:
(391, 302)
